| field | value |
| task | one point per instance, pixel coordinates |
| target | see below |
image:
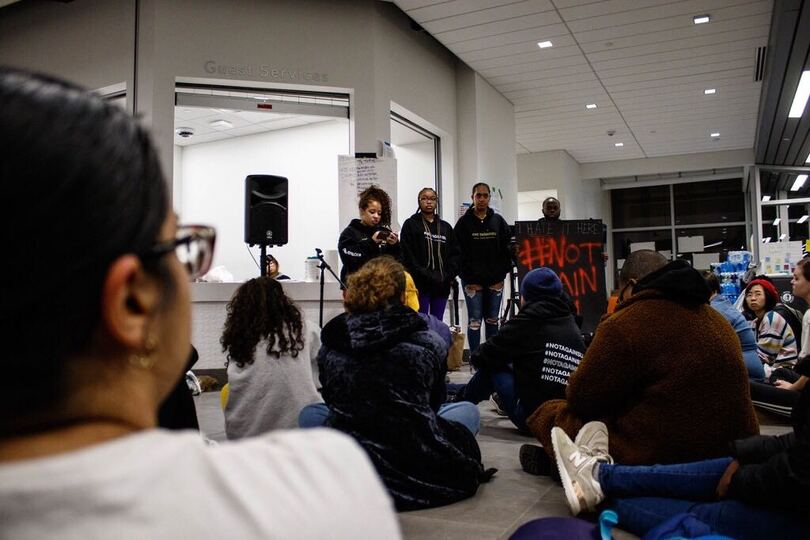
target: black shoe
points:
(534, 460)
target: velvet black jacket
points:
(383, 380)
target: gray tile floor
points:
(511, 499)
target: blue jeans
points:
(485, 382)
(644, 496)
(465, 413)
(485, 304)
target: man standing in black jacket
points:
(531, 358)
(483, 237)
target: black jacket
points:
(383, 377)
(429, 253)
(543, 344)
(484, 243)
(775, 471)
(356, 247)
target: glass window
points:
(640, 207)
(709, 202)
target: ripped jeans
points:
(485, 304)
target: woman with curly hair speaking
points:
(382, 372)
(370, 235)
(271, 352)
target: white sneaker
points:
(582, 490)
(593, 439)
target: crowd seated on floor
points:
(659, 405)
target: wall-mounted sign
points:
(264, 71)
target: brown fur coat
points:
(668, 379)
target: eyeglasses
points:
(193, 245)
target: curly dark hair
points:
(260, 310)
(375, 193)
(378, 284)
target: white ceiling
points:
(643, 62)
(243, 123)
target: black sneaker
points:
(534, 460)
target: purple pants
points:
(432, 305)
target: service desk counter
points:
(209, 300)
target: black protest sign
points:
(573, 249)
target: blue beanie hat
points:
(538, 283)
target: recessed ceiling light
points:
(593, 106)
(766, 240)
(782, 236)
(808, 159)
(544, 44)
(220, 124)
(715, 134)
(710, 91)
(701, 19)
(776, 222)
(800, 99)
(766, 198)
(803, 219)
(619, 144)
(799, 182)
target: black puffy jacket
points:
(383, 378)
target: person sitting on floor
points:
(94, 352)
(531, 358)
(382, 372)
(664, 372)
(758, 491)
(776, 342)
(271, 350)
(743, 328)
(781, 396)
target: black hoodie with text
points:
(430, 253)
(356, 247)
(484, 244)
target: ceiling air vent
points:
(760, 71)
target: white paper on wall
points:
(619, 264)
(690, 244)
(357, 174)
(779, 257)
(702, 261)
(642, 245)
(666, 253)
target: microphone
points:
(319, 252)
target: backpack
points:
(793, 317)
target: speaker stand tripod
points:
(325, 266)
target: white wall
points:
(212, 187)
(486, 144)
(556, 169)
(91, 43)
(416, 168)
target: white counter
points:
(208, 313)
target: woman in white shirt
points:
(93, 354)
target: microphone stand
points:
(325, 266)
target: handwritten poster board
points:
(573, 249)
(357, 174)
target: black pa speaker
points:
(266, 210)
